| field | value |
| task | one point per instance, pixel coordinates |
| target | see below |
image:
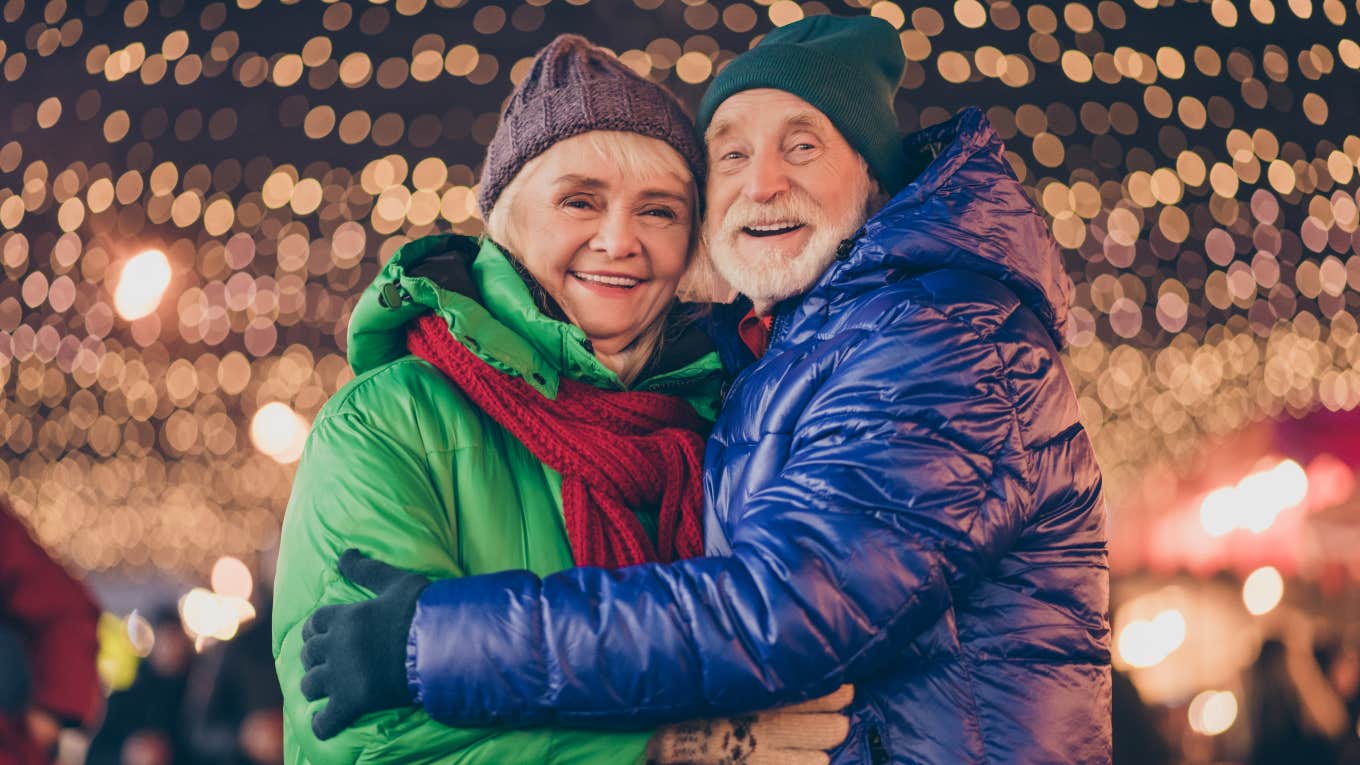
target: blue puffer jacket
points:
(899, 495)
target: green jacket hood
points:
(476, 289)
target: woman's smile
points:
(607, 284)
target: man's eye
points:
(804, 147)
(732, 155)
(577, 203)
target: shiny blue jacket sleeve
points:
(904, 481)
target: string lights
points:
(192, 195)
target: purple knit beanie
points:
(575, 87)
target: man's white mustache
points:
(793, 209)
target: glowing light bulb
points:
(141, 285)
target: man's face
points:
(784, 188)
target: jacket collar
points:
(489, 307)
(965, 210)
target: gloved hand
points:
(355, 653)
(794, 735)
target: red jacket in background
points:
(58, 619)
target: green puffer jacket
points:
(400, 465)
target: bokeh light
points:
(232, 578)
(1213, 712)
(1263, 590)
(207, 615)
(1198, 163)
(141, 284)
(140, 634)
(278, 431)
(1256, 501)
(1146, 643)
(192, 201)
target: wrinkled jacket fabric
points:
(899, 494)
(400, 465)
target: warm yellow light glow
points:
(1209, 237)
(1217, 510)
(1256, 501)
(1144, 643)
(1213, 712)
(208, 615)
(1263, 590)
(1265, 495)
(970, 13)
(231, 578)
(279, 432)
(142, 284)
(199, 613)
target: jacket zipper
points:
(878, 754)
(781, 317)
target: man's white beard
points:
(764, 274)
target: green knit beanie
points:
(847, 67)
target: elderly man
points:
(899, 491)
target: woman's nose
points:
(616, 236)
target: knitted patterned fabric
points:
(575, 87)
(847, 67)
(617, 451)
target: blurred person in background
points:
(1137, 734)
(48, 647)
(239, 718)
(553, 415)
(145, 723)
(1340, 661)
(1302, 699)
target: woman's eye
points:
(577, 203)
(732, 155)
(661, 212)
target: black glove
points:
(355, 653)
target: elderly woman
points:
(533, 401)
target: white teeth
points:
(613, 281)
(771, 227)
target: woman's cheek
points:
(672, 247)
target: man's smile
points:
(772, 229)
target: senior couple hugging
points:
(560, 516)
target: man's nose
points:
(767, 178)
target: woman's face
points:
(609, 246)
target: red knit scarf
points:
(617, 452)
